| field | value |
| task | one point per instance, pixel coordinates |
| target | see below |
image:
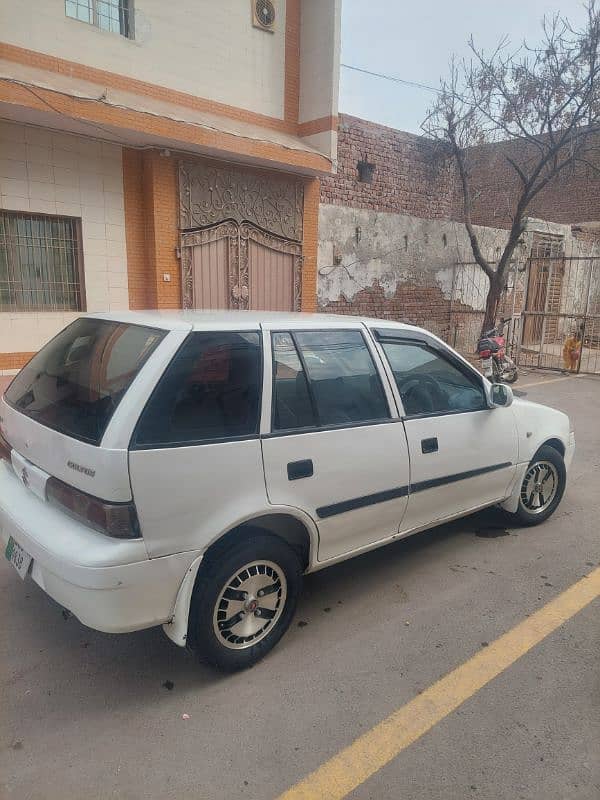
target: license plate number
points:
(18, 557)
(486, 366)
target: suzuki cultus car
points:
(185, 469)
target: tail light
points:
(118, 520)
(485, 353)
(5, 450)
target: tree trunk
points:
(492, 303)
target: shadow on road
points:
(118, 671)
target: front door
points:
(544, 290)
(239, 266)
(462, 453)
(335, 450)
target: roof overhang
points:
(37, 97)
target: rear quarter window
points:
(210, 391)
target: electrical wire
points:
(392, 78)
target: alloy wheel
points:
(250, 604)
(539, 487)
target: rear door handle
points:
(429, 445)
(300, 469)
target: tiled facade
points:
(96, 124)
(44, 172)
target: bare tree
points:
(545, 99)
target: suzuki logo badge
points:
(25, 477)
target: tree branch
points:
(467, 206)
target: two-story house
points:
(162, 155)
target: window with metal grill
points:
(108, 15)
(40, 263)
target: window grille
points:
(41, 265)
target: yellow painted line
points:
(351, 767)
(552, 380)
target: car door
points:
(336, 447)
(462, 453)
(195, 459)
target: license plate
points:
(18, 557)
(486, 366)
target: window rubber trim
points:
(318, 427)
(383, 336)
(342, 426)
(133, 444)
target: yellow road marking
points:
(352, 766)
(552, 380)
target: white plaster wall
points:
(395, 249)
(57, 173)
(207, 48)
(319, 58)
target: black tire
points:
(525, 516)
(214, 577)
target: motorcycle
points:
(495, 363)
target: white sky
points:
(414, 39)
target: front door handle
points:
(300, 469)
(429, 445)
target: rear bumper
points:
(109, 585)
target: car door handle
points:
(429, 445)
(300, 469)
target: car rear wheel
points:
(243, 602)
(542, 487)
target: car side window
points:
(292, 405)
(345, 385)
(210, 390)
(428, 383)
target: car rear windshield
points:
(75, 383)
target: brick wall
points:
(410, 177)
(152, 227)
(573, 196)
(417, 303)
(140, 287)
(310, 241)
(379, 250)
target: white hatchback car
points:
(186, 468)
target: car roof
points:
(198, 319)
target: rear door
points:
(195, 458)
(336, 448)
(463, 453)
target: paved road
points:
(84, 714)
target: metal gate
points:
(470, 286)
(561, 318)
(240, 266)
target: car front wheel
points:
(243, 602)
(542, 488)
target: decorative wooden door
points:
(231, 266)
(206, 256)
(544, 291)
(273, 270)
(241, 242)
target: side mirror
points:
(499, 394)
